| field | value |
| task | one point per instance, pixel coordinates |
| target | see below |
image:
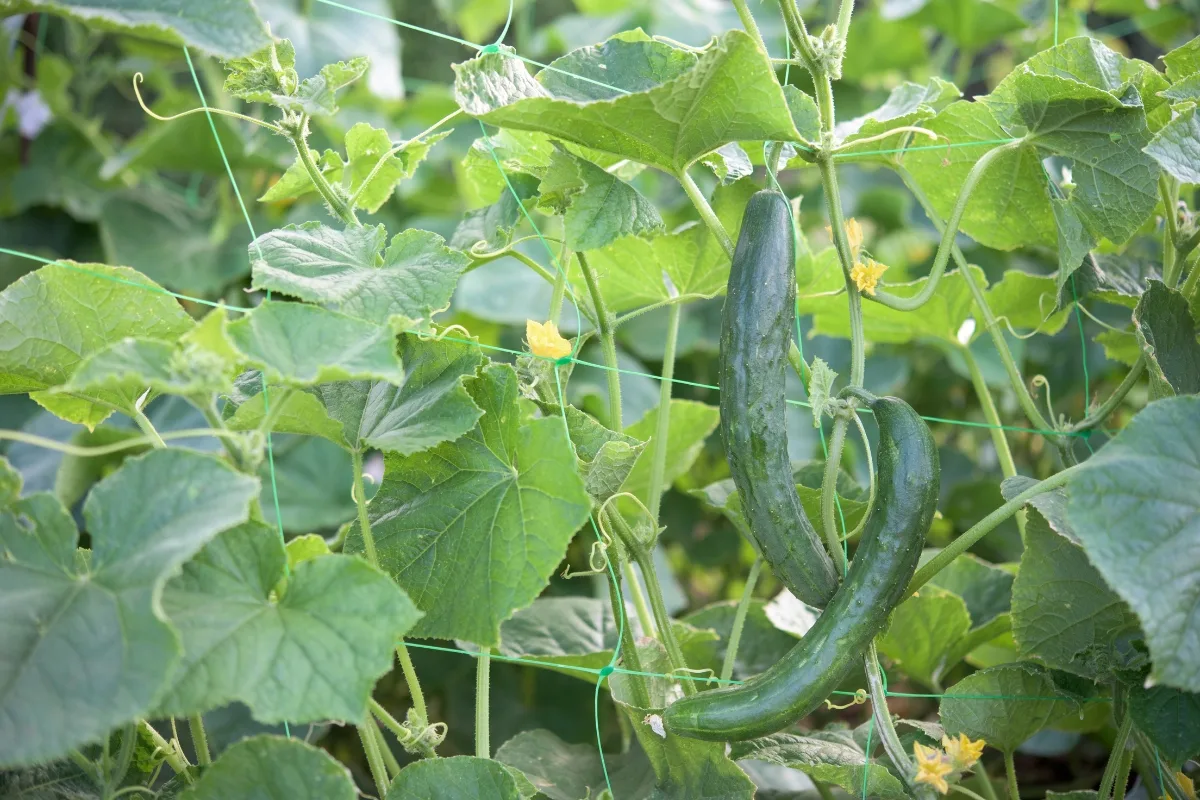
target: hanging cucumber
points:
(756, 331)
(907, 482)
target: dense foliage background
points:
(86, 174)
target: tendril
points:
(138, 78)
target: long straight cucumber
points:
(907, 480)
(755, 335)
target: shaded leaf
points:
(690, 424)
(273, 767)
(1003, 705)
(923, 632)
(598, 207)
(454, 778)
(1170, 718)
(1176, 147)
(831, 760)
(1167, 334)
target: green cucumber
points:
(756, 332)
(907, 482)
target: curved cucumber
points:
(756, 331)
(907, 480)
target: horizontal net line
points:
(612, 670)
(559, 361)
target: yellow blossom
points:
(1185, 783)
(854, 236)
(962, 751)
(866, 276)
(932, 767)
(545, 340)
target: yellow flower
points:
(962, 751)
(866, 276)
(932, 767)
(545, 340)
(1185, 783)
(854, 236)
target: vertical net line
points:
(266, 397)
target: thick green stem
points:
(949, 232)
(629, 653)
(1008, 467)
(705, 210)
(414, 685)
(845, 10)
(833, 462)
(1119, 751)
(798, 34)
(823, 790)
(984, 781)
(360, 500)
(739, 620)
(1149, 754)
(1010, 769)
(883, 720)
(608, 342)
(992, 325)
(796, 359)
(408, 740)
(1168, 192)
(337, 206)
(389, 758)
(199, 740)
(88, 767)
(147, 428)
(374, 758)
(1110, 405)
(124, 757)
(645, 618)
(662, 426)
(984, 527)
(483, 704)
(837, 224)
(662, 619)
(743, 12)
(560, 284)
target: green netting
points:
(613, 667)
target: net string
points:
(612, 667)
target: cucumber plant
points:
(807, 385)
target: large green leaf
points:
(225, 28)
(305, 345)
(563, 771)
(605, 457)
(690, 424)
(1137, 515)
(642, 106)
(345, 271)
(86, 647)
(273, 768)
(54, 318)
(1003, 705)
(472, 529)
(1167, 334)
(908, 104)
(1176, 147)
(313, 481)
(1170, 718)
(829, 759)
(1064, 614)
(597, 206)
(923, 632)
(455, 778)
(305, 652)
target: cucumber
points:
(907, 482)
(756, 332)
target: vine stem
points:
(949, 232)
(389, 758)
(353, 201)
(414, 685)
(639, 599)
(338, 206)
(662, 618)
(147, 427)
(662, 426)
(559, 291)
(1008, 467)
(743, 12)
(629, 653)
(705, 210)
(199, 739)
(360, 500)
(483, 684)
(1148, 754)
(990, 322)
(883, 720)
(739, 620)
(1168, 192)
(406, 737)
(986, 526)
(175, 760)
(833, 541)
(1010, 769)
(374, 758)
(1113, 767)
(608, 342)
(985, 782)
(1110, 405)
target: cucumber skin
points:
(907, 483)
(756, 331)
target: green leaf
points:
(302, 412)
(344, 271)
(64, 312)
(225, 28)
(1176, 147)
(313, 481)
(1165, 330)
(131, 366)
(309, 653)
(829, 760)
(305, 345)
(974, 24)
(316, 95)
(273, 767)
(690, 424)
(105, 615)
(1064, 614)
(523, 152)
(728, 94)
(472, 529)
(1170, 718)
(722, 496)
(923, 633)
(306, 547)
(263, 75)
(493, 225)
(986, 589)
(598, 207)
(454, 778)
(1183, 61)
(805, 114)
(1003, 705)
(1143, 481)
(563, 771)
(1074, 244)
(820, 388)
(605, 457)
(908, 104)
(762, 644)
